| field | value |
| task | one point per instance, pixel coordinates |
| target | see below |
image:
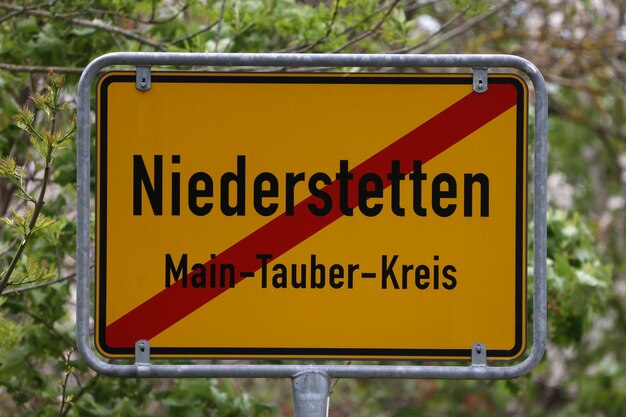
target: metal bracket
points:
(479, 79)
(143, 81)
(142, 352)
(311, 391)
(479, 354)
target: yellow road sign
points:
(319, 216)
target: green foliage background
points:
(578, 46)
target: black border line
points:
(323, 353)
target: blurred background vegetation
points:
(579, 46)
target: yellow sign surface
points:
(311, 216)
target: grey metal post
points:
(311, 391)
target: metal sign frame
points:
(306, 374)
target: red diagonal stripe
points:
(285, 232)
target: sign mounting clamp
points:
(479, 354)
(142, 352)
(144, 78)
(479, 79)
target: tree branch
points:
(83, 389)
(4, 282)
(603, 131)
(50, 327)
(219, 26)
(63, 409)
(349, 29)
(39, 69)
(371, 31)
(459, 30)
(54, 108)
(428, 38)
(572, 83)
(328, 30)
(44, 284)
(194, 34)
(163, 20)
(24, 9)
(86, 23)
